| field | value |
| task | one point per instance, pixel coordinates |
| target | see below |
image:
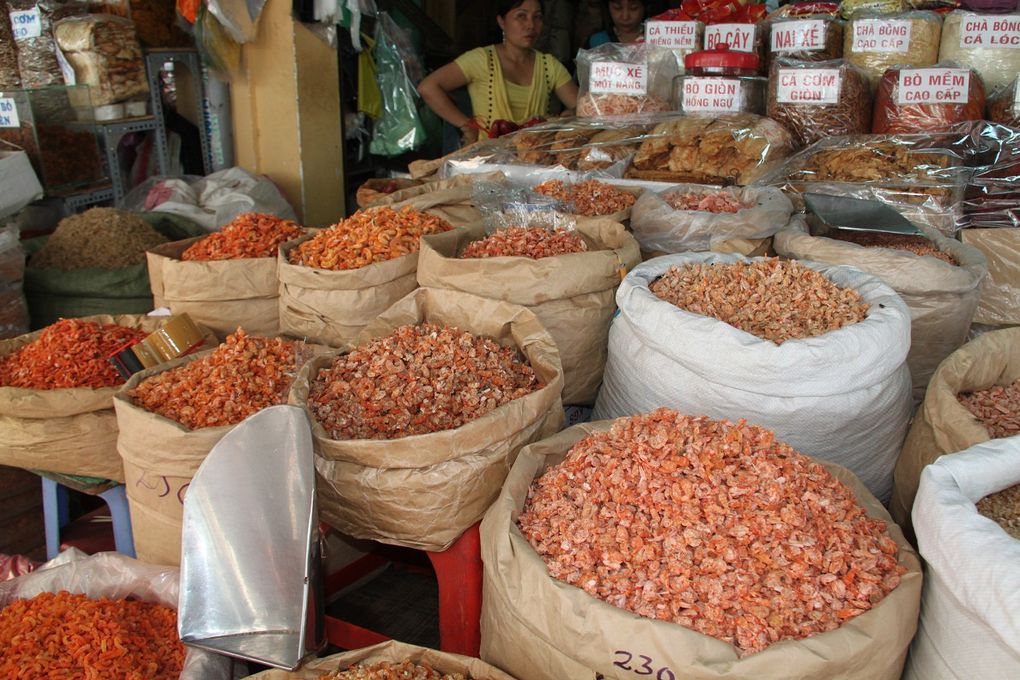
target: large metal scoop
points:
(250, 559)
(858, 214)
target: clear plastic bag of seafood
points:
(621, 79)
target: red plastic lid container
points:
(721, 61)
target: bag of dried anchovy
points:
(38, 63)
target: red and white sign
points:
(990, 31)
(740, 37)
(676, 35)
(711, 94)
(933, 86)
(808, 86)
(806, 35)
(881, 35)
(610, 77)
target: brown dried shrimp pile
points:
(711, 525)
(417, 380)
(533, 242)
(997, 407)
(387, 670)
(1003, 508)
(771, 299)
(367, 237)
(712, 201)
(243, 375)
(248, 235)
(591, 198)
(919, 245)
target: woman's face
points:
(522, 24)
(627, 15)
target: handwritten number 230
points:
(629, 663)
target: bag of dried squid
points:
(618, 79)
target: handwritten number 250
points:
(628, 662)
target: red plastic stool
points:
(459, 575)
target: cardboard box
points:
(1000, 293)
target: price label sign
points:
(808, 86)
(881, 35)
(676, 35)
(26, 24)
(8, 113)
(740, 37)
(807, 35)
(610, 77)
(711, 94)
(1002, 32)
(933, 86)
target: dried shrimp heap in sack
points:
(246, 236)
(104, 238)
(63, 635)
(417, 380)
(998, 408)
(771, 299)
(70, 353)
(712, 525)
(919, 245)
(387, 670)
(533, 242)
(592, 197)
(243, 375)
(1003, 507)
(706, 201)
(367, 237)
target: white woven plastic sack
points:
(843, 396)
(970, 605)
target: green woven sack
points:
(52, 293)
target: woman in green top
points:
(509, 81)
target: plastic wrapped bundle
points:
(849, 9)
(104, 52)
(911, 100)
(9, 78)
(819, 99)
(32, 23)
(1004, 105)
(988, 44)
(875, 43)
(621, 79)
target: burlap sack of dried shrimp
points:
(72, 431)
(332, 307)
(393, 652)
(536, 627)
(572, 295)
(942, 425)
(423, 491)
(942, 297)
(842, 396)
(220, 294)
(452, 199)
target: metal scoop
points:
(251, 583)
(858, 214)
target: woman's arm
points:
(435, 89)
(567, 93)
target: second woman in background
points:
(510, 80)
(627, 23)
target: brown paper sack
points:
(573, 295)
(160, 458)
(423, 491)
(222, 294)
(748, 247)
(332, 307)
(72, 431)
(394, 652)
(942, 424)
(1000, 294)
(452, 199)
(942, 298)
(538, 628)
(371, 190)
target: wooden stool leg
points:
(459, 572)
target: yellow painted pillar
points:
(286, 113)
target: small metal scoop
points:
(858, 214)
(251, 583)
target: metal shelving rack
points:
(154, 61)
(111, 131)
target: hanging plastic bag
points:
(400, 129)
(215, 44)
(238, 17)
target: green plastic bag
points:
(400, 129)
(53, 294)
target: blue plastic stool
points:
(56, 516)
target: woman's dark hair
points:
(505, 6)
